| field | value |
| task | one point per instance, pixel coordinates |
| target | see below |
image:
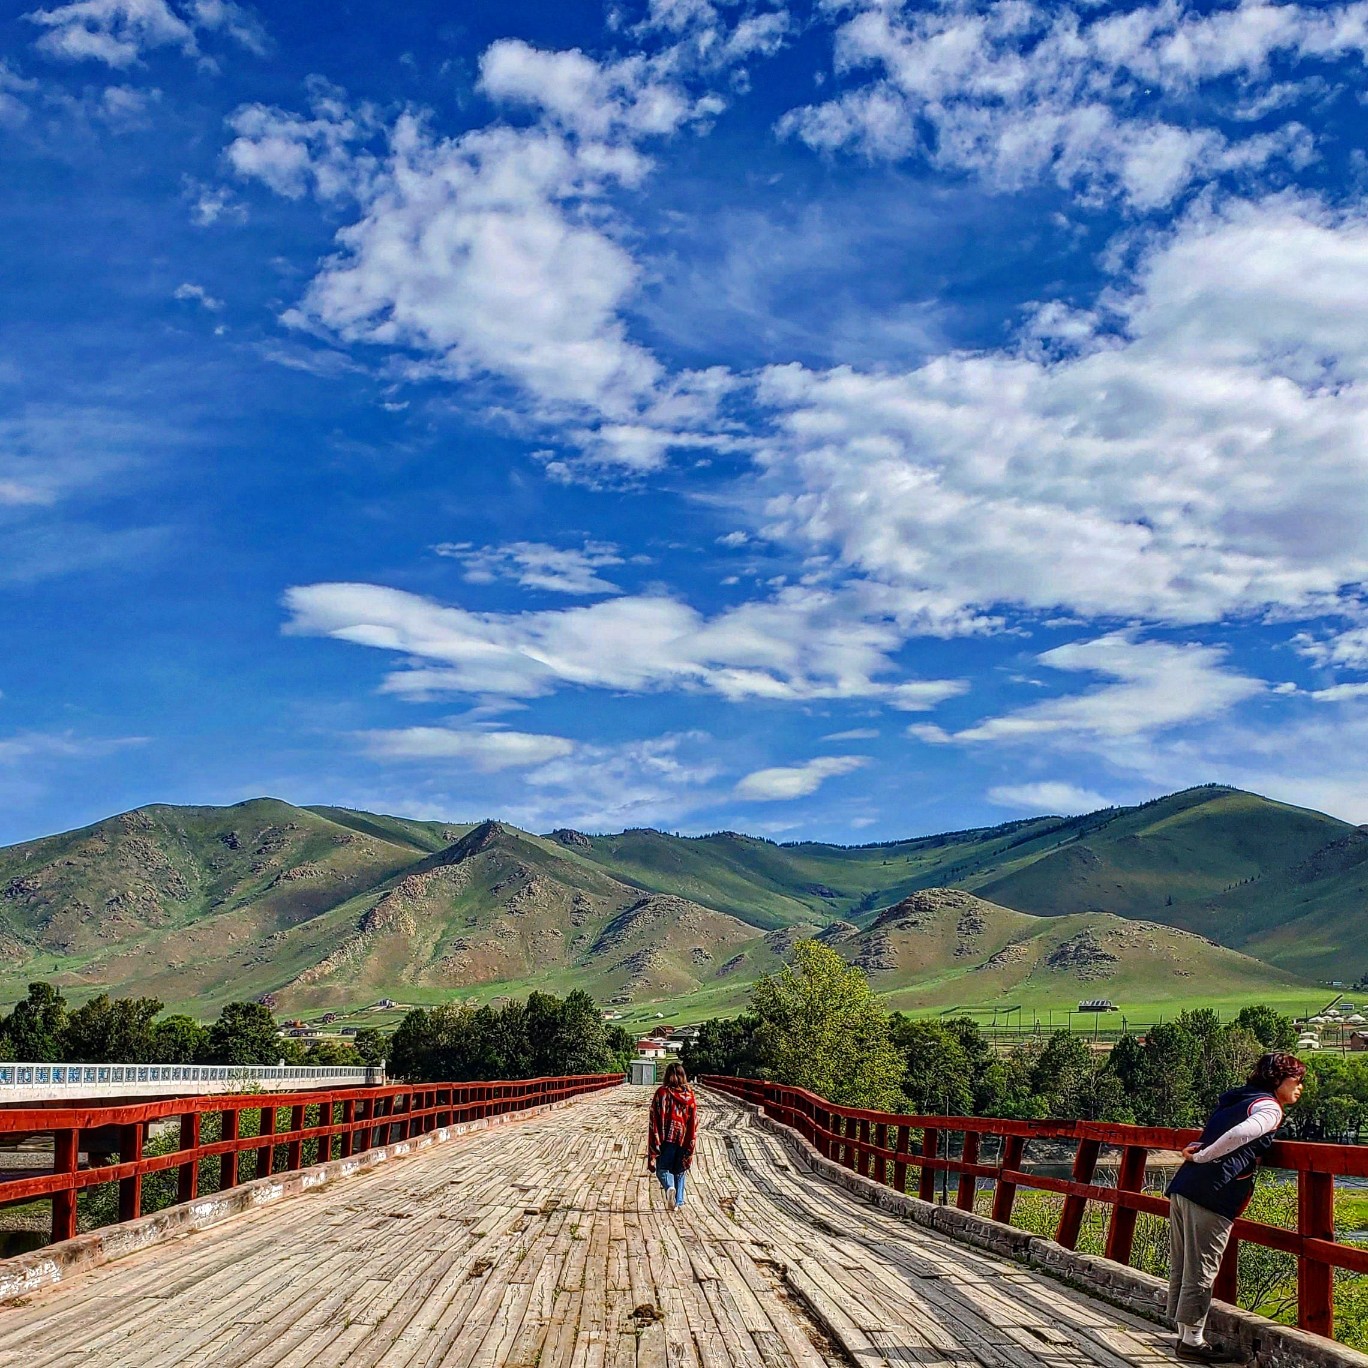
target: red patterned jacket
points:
(674, 1121)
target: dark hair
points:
(674, 1074)
(1273, 1069)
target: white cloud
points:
(535, 565)
(801, 644)
(606, 788)
(1157, 686)
(1338, 693)
(1346, 650)
(601, 101)
(295, 155)
(1048, 797)
(1020, 92)
(119, 32)
(209, 204)
(1199, 452)
(25, 747)
(14, 89)
(484, 751)
(199, 295)
(924, 694)
(497, 255)
(785, 782)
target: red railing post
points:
(348, 1136)
(964, 1196)
(900, 1163)
(265, 1156)
(851, 1129)
(228, 1161)
(926, 1178)
(880, 1163)
(294, 1151)
(1071, 1215)
(66, 1151)
(1315, 1221)
(130, 1188)
(1004, 1197)
(325, 1142)
(862, 1164)
(1121, 1229)
(187, 1175)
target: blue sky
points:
(844, 420)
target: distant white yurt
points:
(1308, 1043)
(1357, 1019)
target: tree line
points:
(817, 1024)
(543, 1036)
(43, 1028)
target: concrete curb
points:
(29, 1273)
(1265, 1342)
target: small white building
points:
(642, 1072)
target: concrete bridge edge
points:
(47, 1267)
(1268, 1344)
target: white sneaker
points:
(670, 1198)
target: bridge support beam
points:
(187, 1176)
(130, 1188)
(964, 1197)
(65, 1157)
(1121, 1229)
(1071, 1217)
(1315, 1221)
(228, 1162)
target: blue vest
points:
(1225, 1185)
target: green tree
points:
(372, 1045)
(330, 1054)
(1274, 1030)
(938, 1075)
(117, 1030)
(245, 1033)
(822, 1028)
(33, 1031)
(725, 1045)
(178, 1040)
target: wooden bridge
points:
(543, 1242)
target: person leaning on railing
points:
(1214, 1186)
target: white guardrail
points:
(77, 1079)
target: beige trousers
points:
(1197, 1239)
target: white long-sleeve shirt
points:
(1265, 1116)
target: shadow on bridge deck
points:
(545, 1243)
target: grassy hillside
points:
(329, 907)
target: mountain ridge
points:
(317, 904)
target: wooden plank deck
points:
(544, 1245)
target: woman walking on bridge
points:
(674, 1127)
(1214, 1186)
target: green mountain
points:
(328, 907)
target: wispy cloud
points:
(1047, 797)
(119, 33)
(782, 783)
(535, 565)
(485, 751)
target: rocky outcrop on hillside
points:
(1083, 956)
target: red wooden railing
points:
(345, 1122)
(878, 1145)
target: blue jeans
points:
(671, 1172)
